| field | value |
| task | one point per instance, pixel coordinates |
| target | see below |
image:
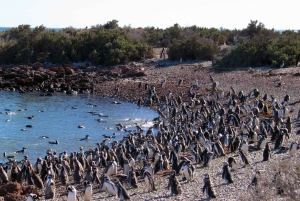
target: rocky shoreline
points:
(132, 83)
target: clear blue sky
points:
(158, 13)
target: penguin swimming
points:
(149, 181)
(226, 175)
(87, 137)
(56, 142)
(21, 151)
(208, 188)
(174, 184)
(88, 191)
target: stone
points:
(36, 65)
(38, 77)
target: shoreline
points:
(266, 81)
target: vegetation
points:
(109, 44)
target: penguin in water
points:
(149, 181)
(232, 163)
(122, 192)
(32, 197)
(226, 175)
(244, 158)
(174, 184)
(72, 196)
(88, 191)
(267, 153)
(208, 188)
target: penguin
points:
(14, 172)
(36, 180)
(50, 188)
(232, 163)
(243, 158)
(122, 192)
(108, 185)
(8, 171)
(208, 188)
(226, 175)
(32, 197)
(38, 166)
(77, 174)
(187, 170)
(132, 180)
(3, 175)
(279, 141)
(72, 196)
(174, 184)
(207, 157)
(149, 181)
(245, 147)
(256, 179)
(293, 148)
(267, 153)
(261, 143)
(111, 168)
(88, 191)
(64, 178)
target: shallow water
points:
(54, 117)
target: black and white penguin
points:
(243, 158)
(72, 193)
(32, 197)
(77, 173)
(255, 179)
(279, 141)
(3, 175)
(36, 180)
(207, 157)
(50, 188)
(293, 148)
(110, 187)
(226, 175)
(132, 180)
(208, 188)
(245, 147)
(267, 153)
(111, 168)
(187, 170)
(122, 192)
(174, 184)
(88, 191)
(64, 178)
(261, 143)
(149, 181)
(232, 163)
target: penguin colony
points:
(192, 131)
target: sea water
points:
(59, 117)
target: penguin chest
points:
(88, 193)
(147, 182)
(111, 188)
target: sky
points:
(230, 14)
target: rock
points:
(69, 71)
(11, 187)
(10, 75)
(54, 69)
(14, 197)
(36, 65)
(60, 74)
(125, 70)
(38, 78)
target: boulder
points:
(12, 188)
(54, 69)
(36, 65)
(14, 197)
(38, 77)
(69, 71)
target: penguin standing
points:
(232, 163)
(174, 184)
(88, 192)
(267, 153)
(50, 188)
(36, 180)
(71, 193)
(3, 175)
(208, 188)
(77, 173)
(122, 193)
(149, 181)
(293, 148)
(64, 176)
(243, 158)
(188, 171)
(132, 180)
(261, 143)
(226, 175)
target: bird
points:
(281, 65)
(174, 184)
(88, 191)
(208, 188)
(32, 197)
(122, 192)
(226, 175)
(267, 153)
(149, 181)
(72, 193)
(232, 163)
(163, 84)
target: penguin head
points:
(70, 188)
(32, 196)
(86, 182)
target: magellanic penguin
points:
(208, 188)
(122, 193)
(111, 169)
(88, 192)
(36, 180)
(50, 188)
(243, 158)
(32, 197)
(293, 148)
(187, 170)
(256, 179)
(132, 180)
(174, 184)
(267, 153)
(226, 175)
(149, 181)
(64, 176)
(261, 143)
(3, 175)
(232, 163)
(108, 185)
(72, 193)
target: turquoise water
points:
(54, 117)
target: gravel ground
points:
(264, 79)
